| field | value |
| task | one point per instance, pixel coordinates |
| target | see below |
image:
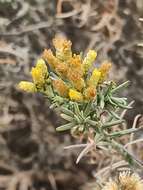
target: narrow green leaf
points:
(91, 122)
(78, 120)
(65, 127)
(125, 84)
(77, 110)
(118, 103)
(87, 109)
(124, 132)
(67, 111)
(119, 100)
(114, 114)
(112, 123)
(123, 106)
(66, 117)
(82, 115)
(111, 102)
(102, 103)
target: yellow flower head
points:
(61, 69)
(39, 73)
(73, 75)
(75, 61)
(90, 93)
(75, 95)
(27, 86)
(41, 65)
(37, 76)
(71, 70)
(50, 58)
(63, 48)
(104, 69)
(75, 69)
(89, 60)
(95, 77)
(61, 88)
(79, 84)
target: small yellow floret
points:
(89, 60)
(95, 77)
(42, 66)
(75, 95)
(50, 58)
(79, 84)
(104, 69)
(90, 93)
(75, 69)
(75, 61)
(38, 77)
(61, 88)
(27, 86)
(39, 73)
(63, 48)
(61, 69)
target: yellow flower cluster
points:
(71, 68)
(73, 76)
(39, 75)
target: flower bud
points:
(27, 86)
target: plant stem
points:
(128, 157)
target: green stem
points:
(128, 157)
(123, 132)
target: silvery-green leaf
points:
(124, 132)
(125, 84)
(65, 127)
(77, 110)
(112, 123)
(111, 102)
(114, 114)
(119, 100)
(87, 109)
(91, 122)
(119, 104)
(78, 120)
(102, 103)
(67, 111)
(66, 117)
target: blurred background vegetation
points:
(31, 152)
